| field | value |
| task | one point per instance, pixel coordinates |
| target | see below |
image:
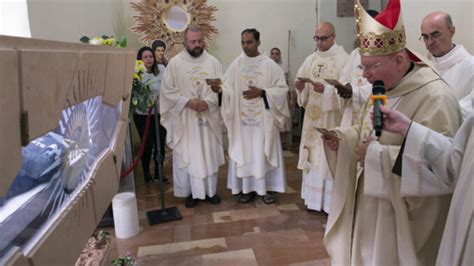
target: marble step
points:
(234, 257)
(276, 246)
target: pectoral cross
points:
(319, 69)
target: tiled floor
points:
(230, 233)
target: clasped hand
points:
(331, 143)
(197, 105)
(252, 93)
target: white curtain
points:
(14, 18)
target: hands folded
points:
(197, 105)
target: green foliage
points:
(142, 96)
(102, 238)
(85, 39)
(123, 41)
(105, 40)
(103, 235)
(127, 260)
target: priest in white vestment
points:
(355, 90)
(325, 63)
(354, 93)
(452, 61)
(190, 113)
(254, 110)
(434, 164)
(373, 221)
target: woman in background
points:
(287, 132)
(153, 76)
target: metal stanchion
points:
(162, 215)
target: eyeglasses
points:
(321, 38)
(374, 66)
(433, 36)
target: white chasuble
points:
(373, 221)
(317, 179)
(434, 164)
(196, 138)
(254, 142)
(457, 68)
(361, 89)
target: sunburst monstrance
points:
(166, 20)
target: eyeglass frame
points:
(374, 66)
(433, 36)
(322, 38)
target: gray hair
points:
(448, 20)
(193, 28)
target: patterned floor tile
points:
(237, 257)
(181, 246)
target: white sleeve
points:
(425, 164)
(375, 182)
(467, 104)
(303, 95)
(360, 95)
(331, 101)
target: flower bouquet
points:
(105, 40)
(142, 96)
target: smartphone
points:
(213, 81)
(305, 79)
(341, 89)
(334, 82)
(328, 133)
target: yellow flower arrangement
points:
(142, 96)
(139, 68)
(105, 40)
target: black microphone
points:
(378, 98)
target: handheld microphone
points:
(378, 98)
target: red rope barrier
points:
(142, 145)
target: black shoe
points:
(214, 199)
(244, 198)
(269, 198)
(148, 178)
(190, 202)
(165, 180)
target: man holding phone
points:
(352, 89)
(325, 63)
(254, 109)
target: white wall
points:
(345, 29)
(273, 19)
(14, 18)
(461, 11)
(69, 20)
(413, 11)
